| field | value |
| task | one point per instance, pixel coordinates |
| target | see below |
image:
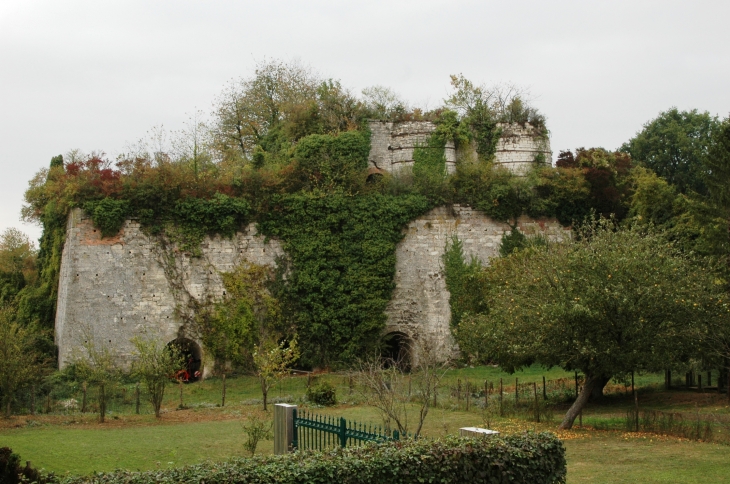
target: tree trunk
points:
(597, 393)
(580, 402)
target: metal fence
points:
(319, 432)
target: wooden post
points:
(283, 428)
(537, 408)
(544, 389)
(136, 396)
(501, 398)
(486, 393)
(636, 401)
(223, 398)
(468, 395)
(83, 398)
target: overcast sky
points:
(97, 75)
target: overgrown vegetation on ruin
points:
(288, 150)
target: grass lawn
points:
(76, 443)
(611, 458)
(83, 450)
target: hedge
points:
(528, 458)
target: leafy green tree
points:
(606, 303)
(96, 364)
(674, 145)
(21, 363)
(155, 365)
(718, 165)
(248, 312)
(17, 264)
(272, 360)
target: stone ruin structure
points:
(113, 289)
(392, 145)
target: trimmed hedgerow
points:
(527, 458)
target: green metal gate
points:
(319, 432)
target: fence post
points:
(223, 397)
(136, 395)
(284, 431)
(468, 395)
(501, 397)
(486, 393)
(343, 432)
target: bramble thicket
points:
(288, 150)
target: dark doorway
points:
(397, 350)
(192, 370)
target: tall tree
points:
(20, 363)
(674, 145)
(606, 303)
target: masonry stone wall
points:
(519, 146)
(392, 146)
(112, 289)
(420, 304)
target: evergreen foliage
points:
(529, 457)
(675, 146)
(463, 282)
(342, 250)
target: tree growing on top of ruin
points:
(607, 303)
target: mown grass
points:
(608, 457)
(76, 443)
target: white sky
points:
(97, 75)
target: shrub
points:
(524, 458)
(323, 394)
(12, 473)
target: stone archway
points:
(193, 356)
(397, 349)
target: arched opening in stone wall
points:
(397, 350)
(192, 370)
